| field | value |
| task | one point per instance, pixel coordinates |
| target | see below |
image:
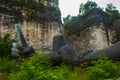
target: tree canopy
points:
(89, 5)
(112, 10)
(84, 8)
(69, 18)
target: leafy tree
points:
(81, 10)
(110, 7)
(67, 19)
(84, 8)
(112, 11)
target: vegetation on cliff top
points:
(89, 5)
(90, 14)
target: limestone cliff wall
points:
(93, 31)
(39, 35)
(39, 22)
(94, 38)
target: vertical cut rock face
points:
(38, 27)
(94, 38)
(39, 35)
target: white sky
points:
(72, 6)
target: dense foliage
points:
(68, 19)
(5, 45)
(89, 5)
(112, 10)
(39, 68)
(103, 69)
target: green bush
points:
(35, 68)
(5, 45)
(103, 69)
(38, 67)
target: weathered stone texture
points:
(93, 31)
(40, 36)
(39, 26)
(93, 38)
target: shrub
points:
(103, 69)
(35, 68)
(39, 67)
(5, 46)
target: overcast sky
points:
(72, 6)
